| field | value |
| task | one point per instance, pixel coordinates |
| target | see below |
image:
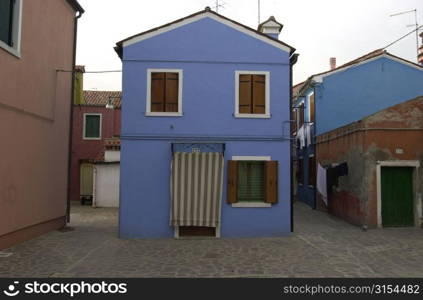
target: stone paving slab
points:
(322, 246)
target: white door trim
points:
(395, 163)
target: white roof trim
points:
(319, 78)
(187, 21)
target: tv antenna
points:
(416, 24)
(218, 4)
(258, 11)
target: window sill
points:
(9, 49)
(91, 139)
(252, 116)
(163, 114)
(251, 204)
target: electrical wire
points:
(404, 36)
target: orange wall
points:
(34, 117)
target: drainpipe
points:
(292, 60)
(75, 30)
(94, 204)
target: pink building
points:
(37, 55)
(95, 128)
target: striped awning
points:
(196, 189)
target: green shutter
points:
(92, 126)
(6, 18)
(251, 181)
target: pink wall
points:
(34, 118)
(90, 149)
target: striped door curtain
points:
(196, 189)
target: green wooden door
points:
(397, 196)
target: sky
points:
(318, 29)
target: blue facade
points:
(349, 96)
(208, 53)
(346, 96)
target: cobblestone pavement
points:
(322, 246)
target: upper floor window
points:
(92, 127)
(164, 92)
(10, 25)
(252, 98)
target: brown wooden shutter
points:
(271, 182)
(232, 196)
(259, 94)
(157, 92)
(301, 115)
(172, 92)
(245, 95)
(312, 108)
(293, 121)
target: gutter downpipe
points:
(292, 60)
(75, 30)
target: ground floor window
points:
(252, 181)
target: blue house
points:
(343, 95)
(205, 145)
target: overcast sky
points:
(318, 29)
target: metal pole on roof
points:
(416, 24)
(258, 10)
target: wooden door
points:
(397, 196)
(86, 180)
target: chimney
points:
(420, 56)
(271, 27)
(78, 95)
(332, 63)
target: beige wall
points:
(34, 117)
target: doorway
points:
(397, 196)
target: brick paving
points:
(322, 246)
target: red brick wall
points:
(90, 149)
(362, 145)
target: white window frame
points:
(83, 129)
(252, 204)
(266, 115)
(16, 31)
(148, 111)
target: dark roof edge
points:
(76, 6)
(119, 44)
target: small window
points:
(312, 171)
(10, 23)
(252, 94)
(164, 93)
(252, 182)
(92, 126)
